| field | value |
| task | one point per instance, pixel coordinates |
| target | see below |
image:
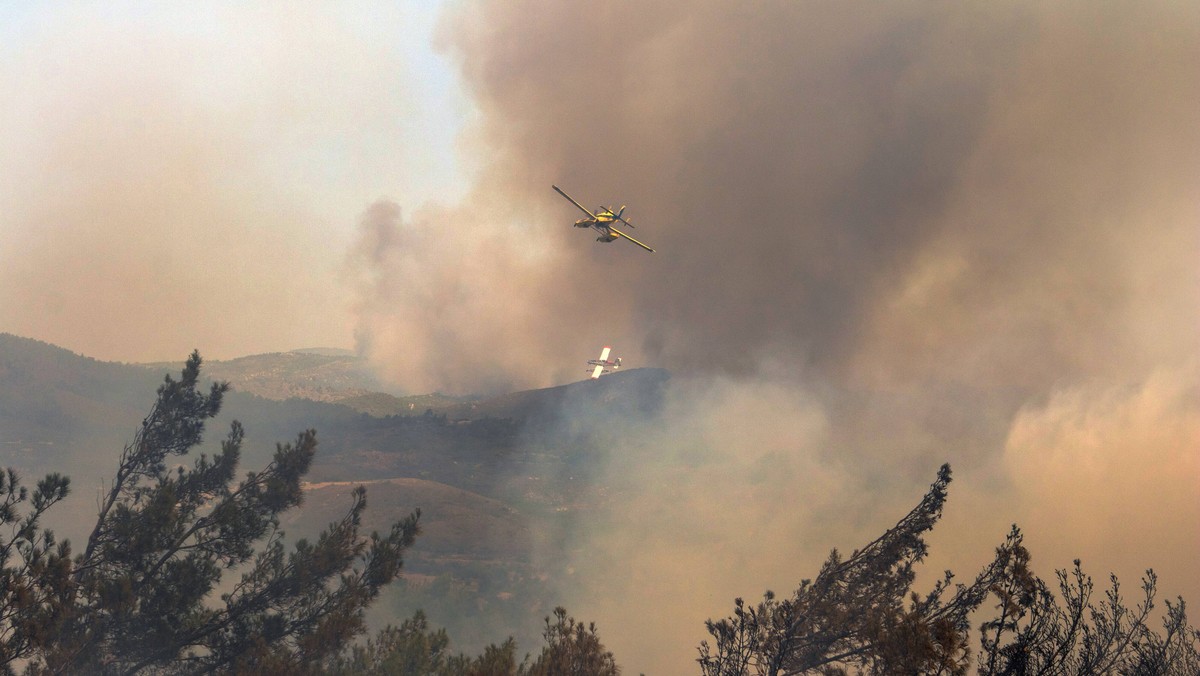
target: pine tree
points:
(143, 593)
(1038, 632)
(414, 649)
(35, 569)
(859, 612)
(572, 650)
(854, 618)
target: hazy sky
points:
(889, 234)
(190, 175)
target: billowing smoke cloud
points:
(911, 192)
(944, 232)
(1108, 463)
(446, 306)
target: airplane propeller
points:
(621, 211)
(617, 215)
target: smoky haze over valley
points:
(888, 235)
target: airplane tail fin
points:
(618, 363)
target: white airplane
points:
(603, 365)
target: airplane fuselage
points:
(600, 224)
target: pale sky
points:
(191, 175)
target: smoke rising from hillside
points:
(958, 232)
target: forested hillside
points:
(493, 477)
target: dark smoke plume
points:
(937, 231)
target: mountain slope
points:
(319, 375)
(48, 393)
(455, 523)
(498, 480)
(61, 410)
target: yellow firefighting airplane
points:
(602, 221)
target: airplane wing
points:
(572, 200)
(621, 234)
(597, 371)
(604, 353)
